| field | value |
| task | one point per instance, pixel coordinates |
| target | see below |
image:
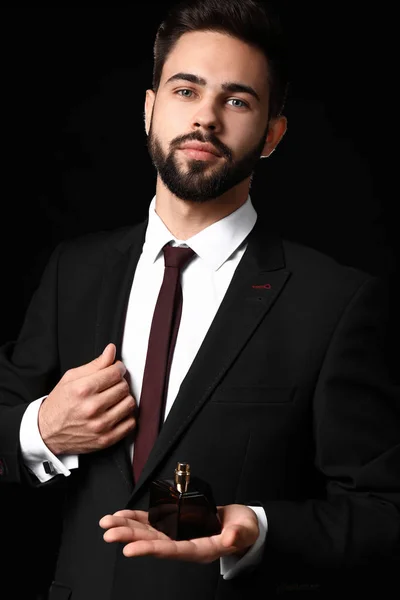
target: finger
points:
(113, 395)
(236, 538)
(156, 548)
(124, 517)
(230, 537)
(108, 354)
(136, 515)
(124, 409)
(127, 534)
(122, 429)
(109, 376)
(199, 550)
(240, 526)
(95, 383)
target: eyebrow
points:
(227, 87)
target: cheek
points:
(251, 135)
(168, 123)
(242, 143)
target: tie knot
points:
(177, 256)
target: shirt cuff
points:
(35, 454)
(231, 565)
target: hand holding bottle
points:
(131, 527)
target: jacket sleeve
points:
(356, 426)
(29, 369)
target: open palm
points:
(132, 528)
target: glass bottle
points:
(183, 508)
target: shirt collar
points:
(214, 244)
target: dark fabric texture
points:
(288, 405)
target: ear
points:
(276, 131)
(148, 109)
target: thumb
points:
(238, 537)
(105, 359)
(230, 536)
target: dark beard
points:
(195, 184)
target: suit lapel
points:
(119, 269)
(257, 283)
(120, 265)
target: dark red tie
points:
(163, 333)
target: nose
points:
(206, 118)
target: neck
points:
(185, 218)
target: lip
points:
(200, 147)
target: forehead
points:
(218, 58)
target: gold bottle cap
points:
(182, 467)
(182, 476)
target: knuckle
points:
(90, 410)
(103, 440)
(122, 388)
(68, 375)
(82, 389)
(131, 402)
(130, 423)
(125, 386)
(97, 426)
(119, 369)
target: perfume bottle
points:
(183, 508)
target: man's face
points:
(207, 124)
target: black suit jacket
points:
(288, 404)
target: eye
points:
(185, 93)
(238, 103)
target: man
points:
(277, 394)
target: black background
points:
(74, 80)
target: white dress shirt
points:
(218, 249)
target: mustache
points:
(198, 137)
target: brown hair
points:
(251, 21)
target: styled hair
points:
(250, 21)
